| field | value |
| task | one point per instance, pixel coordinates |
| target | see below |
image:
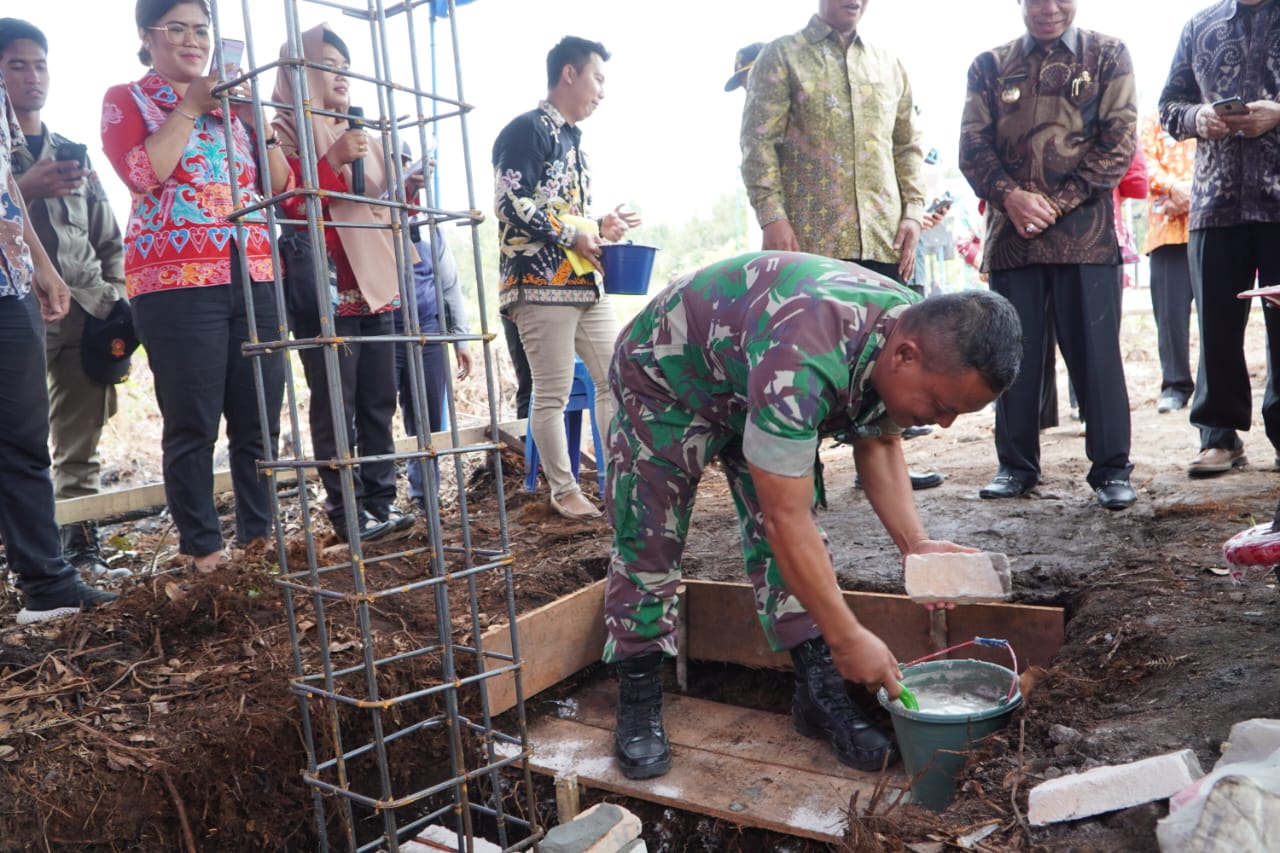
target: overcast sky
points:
(665, 137)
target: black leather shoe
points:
(1004, 486)
(640, 742)
(370, 527)
(822, 709)
(915, 432)
(400, 521)
(1116, 494)
(926, 481)
(918, 481)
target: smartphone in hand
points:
(941, 204)
(1233, 106)
(231, 51)
(73, 152)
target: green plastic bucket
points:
(922, 733)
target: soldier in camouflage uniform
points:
(752, 361)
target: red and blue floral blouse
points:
(179, 234)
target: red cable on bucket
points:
(979, 641)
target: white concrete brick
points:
(962, 578)
(603, 828)
(1107, 789)
(433, 839)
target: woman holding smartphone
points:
(165, 136)
(362, 262)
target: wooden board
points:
(563, 637)
(117, 502)
(746, 767)
(556, 640)
(723, 627)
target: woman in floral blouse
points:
(184, 262)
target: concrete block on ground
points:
(603, 828)
(1108, 789)
(434, 839)
(961, 578)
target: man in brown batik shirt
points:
(1049, 129)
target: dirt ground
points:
(166, 723)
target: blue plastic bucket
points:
(933, 743)
(627, 267)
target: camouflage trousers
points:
(659, 446)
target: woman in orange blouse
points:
(165, 135)
(1170, 167)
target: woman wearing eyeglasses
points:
(165, 135)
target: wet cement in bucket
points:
(960, 701)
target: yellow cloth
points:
(581, 265)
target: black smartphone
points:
(1234, 106)
(941, 204)
(73, 151)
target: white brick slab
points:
(1107, 789)
(961, 578)
(433, 839)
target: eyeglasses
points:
(177, 33)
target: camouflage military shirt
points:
(777, 347)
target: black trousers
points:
(366, 381)
(520, 361)
(887, 270)
(1225, 261)
(1171, 304)
(193, 336)
(434, 364)
(1082, 303)
(27, 524)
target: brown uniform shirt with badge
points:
(1060, 120)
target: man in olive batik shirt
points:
(830, 153)
(1051, 240)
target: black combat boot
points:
(823, 709)
(640, 743)
(81, 550)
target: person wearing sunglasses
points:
(166, 136)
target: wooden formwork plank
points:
(723, 626)
(746, 767)
(117, 502)
(567, 635)
(556, 640)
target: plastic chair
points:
(582, 398)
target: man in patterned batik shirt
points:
(31, 293)
(830, 153)
(1048, 131)
(831, 156)
(1230, 50)
(752, 361)
(542, 195)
